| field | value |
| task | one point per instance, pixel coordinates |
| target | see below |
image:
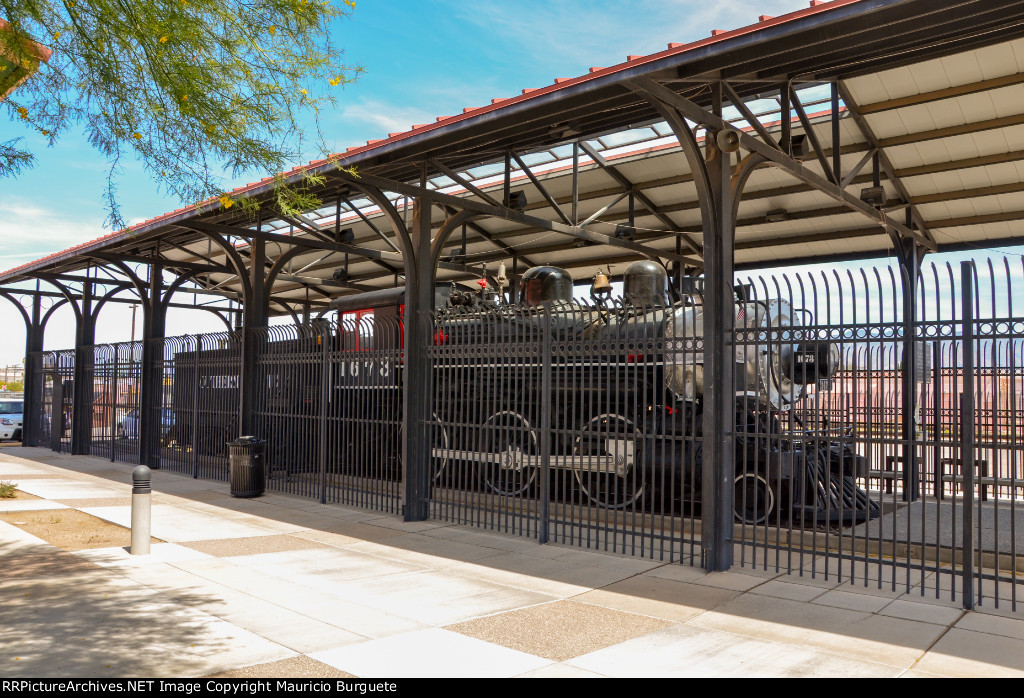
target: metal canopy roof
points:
(936, 88)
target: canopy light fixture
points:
(800, 147)
(873, 195)
(728, 140)
(517, 201)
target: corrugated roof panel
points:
(979, 234)
(900, 82)
(887, 124)
(868, 89)
(1001, 59)
(996, 141)
(961, 69)
(970, 145)
(1008, 101)
(973, 206)
(920, 118)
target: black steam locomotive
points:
(624, 390)
(606, 397)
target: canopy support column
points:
(34, 328)
(81, 410)
(151, 402)
(254, 316)
(417, 377)
(719, 392)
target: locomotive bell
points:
(601, 284)
(645, 283)
(546, 284)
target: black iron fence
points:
(198, 402)
(115, 383)
(553, 421)
(871, 444)
(55, 380)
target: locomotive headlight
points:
(809, 361)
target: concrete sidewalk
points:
(284, 586)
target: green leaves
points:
(198, 89)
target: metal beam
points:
(463, 182)
(780, 160)
(965, 163)
(552, 202)
(313, 244)
(949, 131)
(72, 278)
(370, 224)
(749, 116)
(812, 136)
(509, 214)
(623, 180)
(883, 159)
(852, 175)
(190, 266)
(318, 231)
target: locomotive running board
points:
(609, 463)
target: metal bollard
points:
(141, 510)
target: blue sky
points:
(421, 60)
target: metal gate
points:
(198, 402)
(328, 401)
(57, 379)
(116, 392)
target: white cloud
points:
(584, 34)
(30, 231)
(387, 118)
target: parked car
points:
(128, 425)
(11, 418)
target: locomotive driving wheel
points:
(512, 444)
(440, 447)
(753, 500)
(612, 477)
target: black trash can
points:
(248, 474)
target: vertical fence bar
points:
(112, 395)
(967, 433)
(545, 426)
(194, 408)
(324, 334)
(937, 468)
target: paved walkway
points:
(283, 586)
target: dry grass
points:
(70, 529)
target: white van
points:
(11, 418)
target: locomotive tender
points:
(624, 398)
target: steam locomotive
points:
(625, 389)
(606, 397)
